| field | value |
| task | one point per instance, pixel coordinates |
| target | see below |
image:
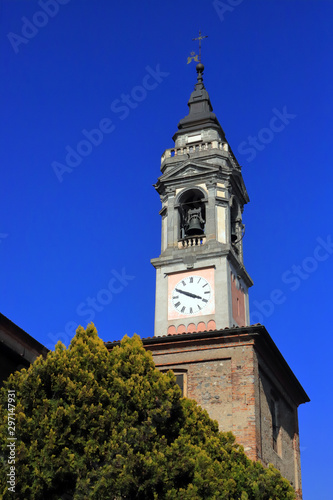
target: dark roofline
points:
(178, 337)
(263, 343)
(20, 335)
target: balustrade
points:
(205, 146)
(192, 241)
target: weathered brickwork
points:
(284, 454)
(237, 375)
(209, 383)
(221, 380)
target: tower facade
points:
(232, 369)
(201, 281)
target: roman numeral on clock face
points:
(191, 295)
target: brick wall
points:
(236, 374)
(284, 454)
(221, 380)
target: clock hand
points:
(189, 294)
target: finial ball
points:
(200, 67)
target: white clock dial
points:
(191, 295)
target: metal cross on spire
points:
(200, 37)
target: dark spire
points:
(200, 114)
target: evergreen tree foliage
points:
(93, 424)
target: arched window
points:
(192, 213)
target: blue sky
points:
(73, 224)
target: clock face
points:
(191, 295)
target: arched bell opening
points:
(234, 212)
(237, 227)
(192, 214)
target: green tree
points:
(93, 424)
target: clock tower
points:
(201, 281)
(230, 368)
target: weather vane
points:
(195, 57)
(200, 37)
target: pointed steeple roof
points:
(200, 114)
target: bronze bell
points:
(194, 225)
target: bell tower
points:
(230, 368)
(201, 281)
